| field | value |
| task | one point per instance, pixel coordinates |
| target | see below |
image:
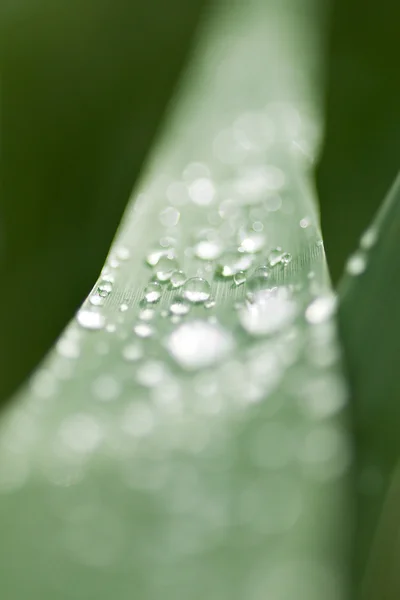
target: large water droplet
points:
(165, 268)
(199, 344)
(178, 279)
(196, 290)
(104, 288)
(271, 311)
(208, 250)
(152, 293)
(179, 307)
(232, 262)
(89, 319)
(97, 300)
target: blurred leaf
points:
(202, 456)
(362, 134)
(370, 330)
(84, 85)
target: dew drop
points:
(286, 259)
(104, 288)
(123, 307)
(202, 191)
(199, 344)
(275, 256)
(356, 264)
(239, 278)
(89, 319)
(233, 262)
(154, 256)
(196, 290)
(146, 314)
(259, 280)
(169, 217)
(165, 268)
(122, 253)
(252, 242)
(152, 292)
(97, 300)
(321, 309)
(208, 250)
(143, 330)
(178, 279)
(271, 311)
(369, 239)
(210, 303)
(179, 307)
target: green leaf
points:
(370, 325)
(209, 459)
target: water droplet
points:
(258, 226)
(321, 309)
(259, 280)
(97, 300)
(154, 256)
(199, 344)
(356, 264)
(208, 250)
(152, 292)
(286, 259)
(271, 311)
(104, 288)
(123, 307)
(304, 223)
(232, 262)
(146, 314)
(369, 239)
(143, 330)
(132, 352)
(89, 319)
(169, 217)
(239, 278)
(122, 253)
(177, 279)
(179, 307)
(113, 262)
(275, 256)
(210, 303)
(252, 242)
(165, 268)
(196, 290)
(202, 191)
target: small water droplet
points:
(178, 279)
(270, 312)
(286, 259)
(275, 256)
(199, 344)
(196, 290)
(304, 223)
(356, 264)
(232, 262)
(97, 300)
(369, 239)
(259, 280)
(154, 256)
(208, 250)
(179, 307)
(210, 303)
(122, 253)
(113, 262)
(123, 307)
(258, 226)
(152, 292)
(252, 242)
(165, 268)
(89, 319)
(146, 314)
(143, 330)
(132, 352)
(239, 278)
(104, 288)
(169, 217)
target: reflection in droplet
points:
(232, 262)
(152, 292)
(196, 290)
(177, 279)
(179, 307)
(271, 311)
(165, 268)
(199, 344)
(89, 319)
